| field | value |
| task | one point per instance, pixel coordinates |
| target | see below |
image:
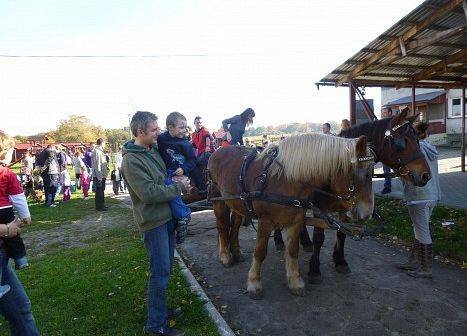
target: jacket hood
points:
(130, 147)
(429, 150)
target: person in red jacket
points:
(201, 138)
(15, 305)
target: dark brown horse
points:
(394, 143)
(304, 164)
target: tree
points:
(21, 138)
(116, 137)
(78, 128)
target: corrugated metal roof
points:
(404, 68)
(420, 98)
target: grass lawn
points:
(448, 242)
(46, 217)
(99, 289)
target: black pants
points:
(14, 246)
(46, 180)
(53, 184)
(100, 187)
(78, 183)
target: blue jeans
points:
(160, 245)
(178, 207)
(387, 180)
(15, 305)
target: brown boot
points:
(413, 262)
(426, 260)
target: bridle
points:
(397, 144)
(354, 176)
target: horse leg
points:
(236, 221)
(338, 254)
(305, 240)
(278, 241)
(295, 282)
(254, 287)
(314, 274)
(222, 212)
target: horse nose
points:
(426, 177)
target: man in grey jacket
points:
(420, 203)
(100, 170)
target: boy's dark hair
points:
(328, 125)
(172, 119)
(141, 120)
(197, 118)
(99, 141)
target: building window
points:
(455, 108)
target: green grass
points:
(101, 290)
(46, 217)
(448, 242)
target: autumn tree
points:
(78, 128)
(116, 137)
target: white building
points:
(441, 108)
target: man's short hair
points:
(99, 141)
(197, 118)
(328, 125)
(172, 119)
(141, 120)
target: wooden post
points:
(413, 99)
(353, 115)
(463, 131)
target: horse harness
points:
(306, 203)
(398, 144)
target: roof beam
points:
(407, 48)
(449, 45)
(400, 84)
(412, 32)
(440, 67)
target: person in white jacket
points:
(420, 202)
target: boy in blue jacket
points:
(180, 159)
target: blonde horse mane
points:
(312, 157)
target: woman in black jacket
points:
(237, 124)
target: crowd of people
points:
(156, 168)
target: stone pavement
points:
(453, 182)
(375, 299)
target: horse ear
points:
(413, 118)
(401, 117)
(361, 146)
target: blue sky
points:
(216, 58)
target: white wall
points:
(453, 124)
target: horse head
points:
(401, 149)
(355, 186)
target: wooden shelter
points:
(425, 49)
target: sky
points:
(209, 58)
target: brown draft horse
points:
(304, 164)
(394, 143)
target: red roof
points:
(23, 146)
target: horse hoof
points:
(226, 261)
(239, 258)
(308, 248)
(256, 294)
(280, 247)
(300, 291)
(343, 269)
(315, 279)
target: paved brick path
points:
(453, 182)
(375, 299)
